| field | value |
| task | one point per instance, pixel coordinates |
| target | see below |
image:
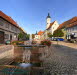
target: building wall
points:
(50, 30)
(9, 29)
(64, 31)
(71, 30)
(54, 27)
(37, 37)
(44, 35)
(8, 26)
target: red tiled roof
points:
(50, 25)
(69, 23)
(60, 26)
(9, 19)
(72, 24)
(40, 32)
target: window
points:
(15, 36)
(6, 36)
(15, 29)
(1, 22)
(72, 29)
(75, 28)
(7, 25)
(11, 27)
(67, 30)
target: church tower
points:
(48, 21)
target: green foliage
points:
(27, 36)
(21, 35)
(50, 35)
(58, 33)
(17, 42)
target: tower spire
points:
(48, 20)
(36, 32)
(48, 15)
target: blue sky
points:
(31, 14)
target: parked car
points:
(53, 39)
(59, 39)
(74, 40)
(56, 39)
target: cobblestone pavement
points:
(72, 45)
(61, 60)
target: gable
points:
(50, 25)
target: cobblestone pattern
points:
(71, 45)
(59, 60)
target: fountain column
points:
(30, 39)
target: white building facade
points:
(50, 27)
(53, 27)
(37, 37)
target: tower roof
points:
(48, 16)
(36, 32)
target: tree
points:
(50, 35)
(27, 36)
(33, 36)
(20, 35)
(58, 33)
(23, 36)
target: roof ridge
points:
(68, 22)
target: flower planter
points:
(46, 42)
